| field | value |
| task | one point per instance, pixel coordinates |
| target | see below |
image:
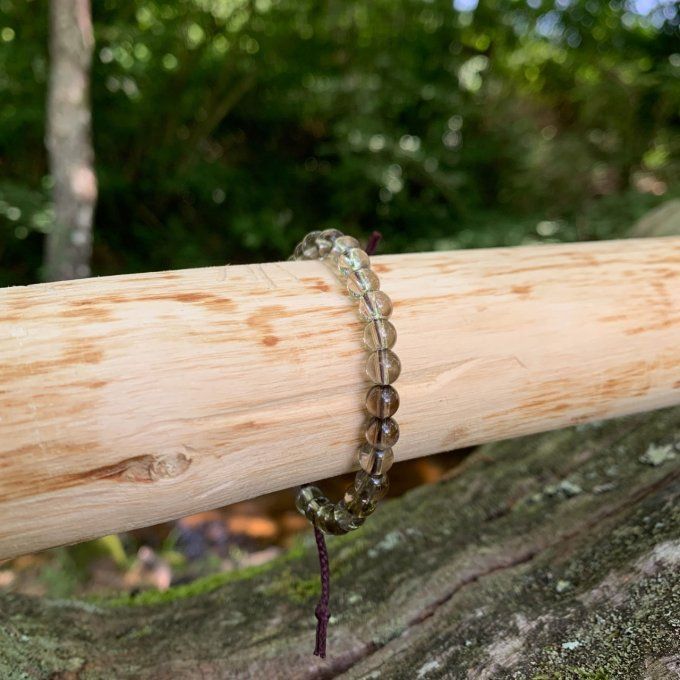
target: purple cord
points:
(372, 243)
(321, 611)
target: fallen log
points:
(131, 400)
(552, 556)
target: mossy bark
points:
(553, 556)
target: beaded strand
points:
(352, 265)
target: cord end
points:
(372, 243)
(322, 612)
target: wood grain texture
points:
(130, 400)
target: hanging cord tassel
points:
(321, 611)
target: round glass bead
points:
(375, 305)
(371, 486)
(383, 366)
(311, 503)
(331, 235)
(379, 334)
(359, 504)
(361, 282)
(305, 496)
(382, 401)
(297, 253)
(323, 247)
(314, 508)
(382, 433)
(342, 244)
(345, 520)
(325, 519)
(310, 250)
(374, 461)
(325, 240)
(352, 260)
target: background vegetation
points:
(225, 129)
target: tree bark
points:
(552, 556)
(69, 144)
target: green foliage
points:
(225, 129)
(70, 567)
(61, 575)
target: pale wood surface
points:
(130, 400)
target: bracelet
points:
(352, 265)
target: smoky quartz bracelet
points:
(352, 265)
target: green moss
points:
(344, 552)
(198, 587)
(138, 633)
(576, 673)
(203, 585)
(293, 588)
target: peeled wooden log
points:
(553, 556)
(131, 400)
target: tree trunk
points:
(69, 143)
(552, 556)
